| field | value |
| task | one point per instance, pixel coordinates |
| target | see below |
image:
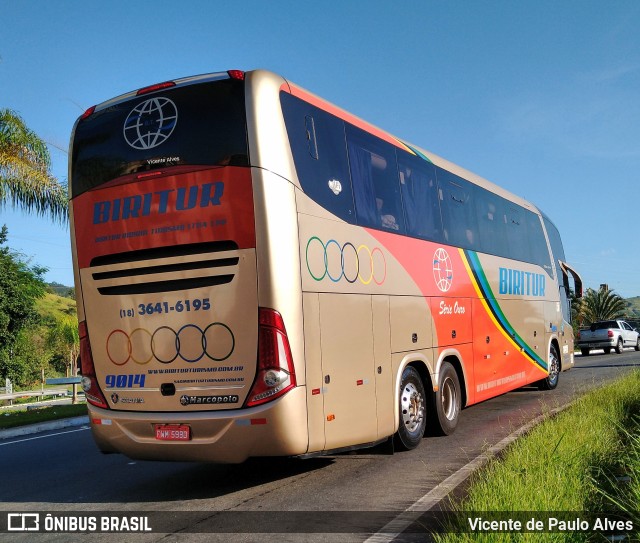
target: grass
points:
(570, 463)
(12, 419)
(52, 307)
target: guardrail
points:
(46, 392)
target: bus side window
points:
(491, 222)
(458, 210)
(517, 235)
(319, 154)
(311, 136)
(420, 197)
(374, 176)
(537, 242)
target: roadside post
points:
(67, 381)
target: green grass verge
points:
(11, 419)
(571, 462)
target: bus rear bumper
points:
(277, 428)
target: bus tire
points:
(551, 381)
(447, 402)
(413, 407)
(619, 346)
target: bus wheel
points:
(412, 411)
(447, 402)
(551, 381)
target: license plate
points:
(173, 432)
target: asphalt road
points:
(63, 471)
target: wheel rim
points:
(412, 407)
(449, 397)
(554, 367)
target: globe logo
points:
(150, 123)
(442, 270)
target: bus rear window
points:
(201, 124)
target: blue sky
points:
(542, 98)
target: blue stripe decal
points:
(496, 310)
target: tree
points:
(599, 305)
(25, 178)
(63, 338)
(20, 286)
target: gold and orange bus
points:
(261, 273)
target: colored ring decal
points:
(355, 252)
(123, 346)
(365, 282)
(176, 342)
(384, 267)
(204, 341)
(325, 258)
(141, 362)
(128, 347)
(352, 265)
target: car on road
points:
(607, 335)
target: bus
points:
(261, 273)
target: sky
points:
(540, 97)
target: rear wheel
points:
(619, 346)
(607, 350)
(638, 344)
(551, 381)
(412, 411)
(447, 402)
(585, 352)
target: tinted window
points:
(200, 124)
(557, 251)
(374, 175)
(458, 210)
(604, 325)
(492, 226)
(420, 197)
(537, 242)
(319, 152)
(517, 240)
(554, 239)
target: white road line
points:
(405, 519)
(2, 443)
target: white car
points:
(607, 335)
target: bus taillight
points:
(276, 374)
(89, 380)
(236, 74)
(156, 87)
(88, 113)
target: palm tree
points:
(599, 305)
(25, 178)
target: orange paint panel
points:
(200, 206)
